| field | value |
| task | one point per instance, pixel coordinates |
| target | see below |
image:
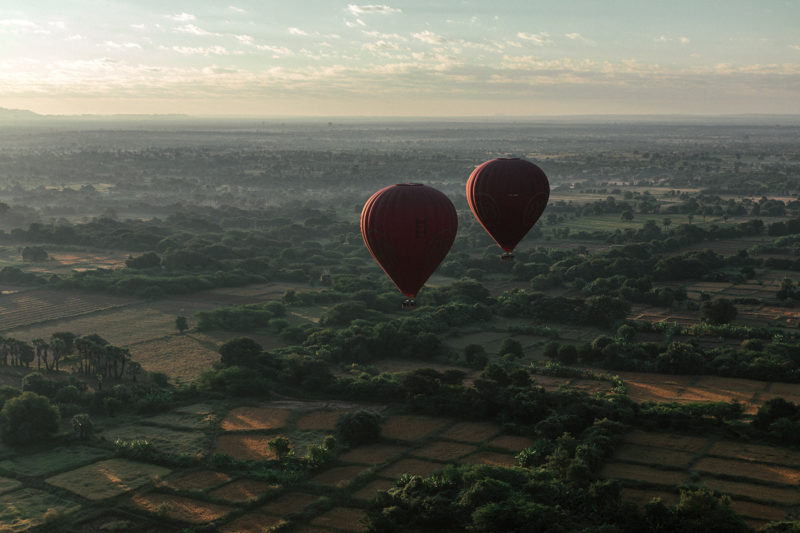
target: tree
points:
(242, 351)
(28, 418)
(361, 427)
(475, 355)
(280, 446)
(627, 215)
(718, 311)
(82, 425)
(34, 254)
(181, 324)
(510, 346)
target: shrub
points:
(27, 418)
(360, 427)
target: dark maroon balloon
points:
(507, 196)
(409, 228)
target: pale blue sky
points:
(407, 58)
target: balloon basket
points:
(507, 256)
(408, 304)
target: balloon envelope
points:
(409, 228)
(507, 196)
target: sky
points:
(416, 58)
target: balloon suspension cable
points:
(409, 304)
(507, 256)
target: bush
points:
(28, 418)
(360, 427)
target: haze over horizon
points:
(410, 58)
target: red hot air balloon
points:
(409, 228)
(507, 196)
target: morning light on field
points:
(440, 266)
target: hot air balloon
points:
(409, 228)
(507, 196)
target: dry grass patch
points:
(471, 431)
(642, 473)
(290, 503)
(246, 447)
(642, 497)
(411, 427)
(781, 389)
(653, 392)
(191, 443)
(41, 464)
(251, 523)
(124, 326)
(182, 420)
(445, 451)
(8, 484)
(637, 453)
(39, 305)
(512, 443)
(255, 418)
(347, 518)
(758, 510)
(319, 420)
(180, 507)
(179, 356)
(200, 480)
(242, 490)
(106, 479)
(755, 452)
(372, 454)
(26, 508)
(410, 466)
(667, 440)
(340, 476)
(490, 458)
(751, 490)
(755, 471)
(368, 491)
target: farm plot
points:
(346, 518)
(289, 503)
(372, 454)
(7, 484)
(410, 466)
(760, 472)
(192, 443)
(754, 491)
(642, 496)
(472, 432)
(755, 452)
(667, 440)
(758, 511)
(245, 447)
(183, 420)
(643, 473)
(490, 458)
(368, 491)
(55, 460)
(122, 326)
(180, 356)
(41, 305)
(242, 491)
(27, 508)
(636, 453)
(251, 523)
(444, 451)
(319, 420)
(200, 480)
(512, 443)
(339, 476)
(180, 507)
(106, 479)
(410, 427)
(255, 418)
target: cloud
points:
(204, 51)
(122, 46)
(297, 31)
(539, 39)
(140, 27)
(429, 37)
(22, 26)
(181, 17)
(191, 29)
(371, 9)
(684, 40)
(580, 38)
(236, 9)
(795, 47)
